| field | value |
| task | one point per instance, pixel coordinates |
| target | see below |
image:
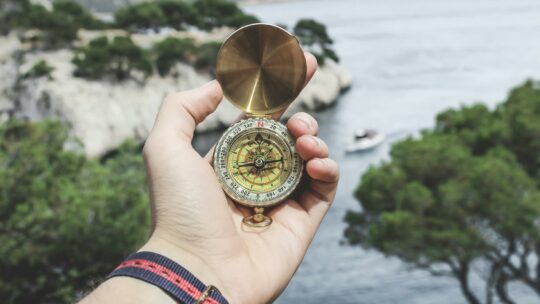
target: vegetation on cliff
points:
(117, 58)
(314, 38)
(59, 26)
(39, 69)
(466, 192)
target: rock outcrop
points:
(103, 114)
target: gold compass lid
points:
(261, 68)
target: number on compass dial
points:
(259, 161)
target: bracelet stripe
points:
(168, 275)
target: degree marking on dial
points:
(274, 148)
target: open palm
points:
(197, 225)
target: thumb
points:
(180, 112)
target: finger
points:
(324, 174)
(301, 124)
(309, 146)
(180, 112)
(311, 65)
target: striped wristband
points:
(169, 276)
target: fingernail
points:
(316, 140)
(210, 83)
(308, 121)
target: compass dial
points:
(256, 162)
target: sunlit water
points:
(409, 60)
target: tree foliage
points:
(173, 50)
(313, 35)
(178, 14)
(10, 10)
(117, 58)
(467, 191)
(65, 220)
(59, 26)
(39, 69)
(143, 16)
(218, 13)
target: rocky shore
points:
(103, 114)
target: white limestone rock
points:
(103, 114)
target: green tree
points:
(78, 15)
(117, 58)
(39, 69)
(65, 220)
(312, 34)
(219, 13)
(57, 30)
(59, 26)
(176, 14)
(11, 10)
(179, 14)
(461, 194)
(142, 16)
(172, 50)
(207, 56)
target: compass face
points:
(256, 162)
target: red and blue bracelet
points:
(169, 276)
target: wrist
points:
(194, 264)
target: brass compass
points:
(262, 69)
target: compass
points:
(262, 69)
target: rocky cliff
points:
(102, 114)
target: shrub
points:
(10, 11)
(65, 220)
(172, 50)
(313, 36)
(143, 16)
(39, 69)
(57, 30)
(218, 13)
(207, 55)
(79, 16)
(117, 59)
(178, 14)
(155, 15)
(60, 25)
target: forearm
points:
(123, 290)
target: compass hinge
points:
(251, 115)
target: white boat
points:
(365, 139)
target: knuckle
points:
(147, 148)
(171, 98)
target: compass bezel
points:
(221, 168)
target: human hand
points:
(197, 225)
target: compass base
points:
(258, 220)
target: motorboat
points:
(366, 139)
